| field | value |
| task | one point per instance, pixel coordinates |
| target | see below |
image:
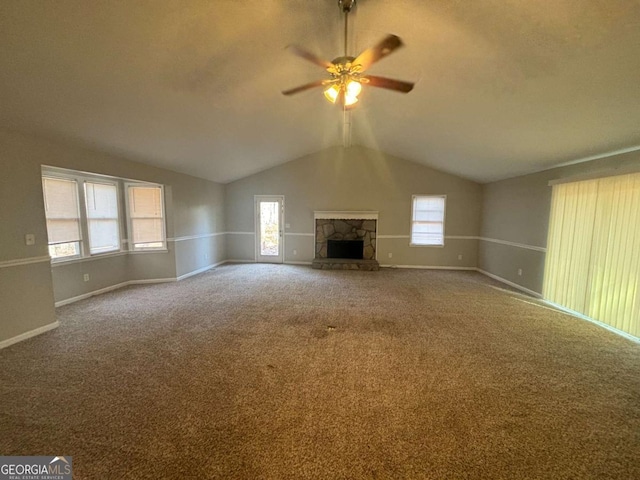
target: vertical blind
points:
(102, 217)
(61, 208)
(593, 252)
(427, 222)
(147, 219)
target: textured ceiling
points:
(504, 87)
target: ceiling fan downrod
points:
(346, 6)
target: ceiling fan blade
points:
(302, 53)
(386, 46)
(302, 88)
(389, 83)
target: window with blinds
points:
(146, 217)
(427, 220)
(84, 214)
(62, 216)
(101, 201)
(593, 251)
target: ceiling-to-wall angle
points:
(347, 73)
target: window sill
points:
(428, 246)
(99, 256)
(137, 252)
(65, 260)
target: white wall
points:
(195, 222)
(357, 178)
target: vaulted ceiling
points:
(503, 87)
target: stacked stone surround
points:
(335, 229)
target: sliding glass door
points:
(593, 253)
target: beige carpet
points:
(284, 372)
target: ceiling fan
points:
(347, 74)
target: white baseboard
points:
(429, 267)
(201, 270)
(581, 316)
(27, 335)
(110, 288)
(67, 301)
(235, 260)
(147, 281)
(511, 284)
(151, 280)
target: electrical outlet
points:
(206, 256)
(30, 239)
(460, 257)
(86, 277)
(519, 272)
(287, 225)
(390, 255)
(295, 252)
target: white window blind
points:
(61, 210)
(102, 217)
(146, 215)
(427, 220)
(593, 251)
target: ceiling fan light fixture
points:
(350, 90)
(353, 88)
(332, 93)
(350, 100)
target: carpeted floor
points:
(284, 372)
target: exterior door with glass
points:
(269, 211)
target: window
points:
(82, 215)
(63, 217)
(85, 214)
(146, 217)
(101, 201)
(427, 220)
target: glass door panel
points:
(269, 212)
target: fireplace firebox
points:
(345, 249)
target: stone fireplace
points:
(346, 240)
